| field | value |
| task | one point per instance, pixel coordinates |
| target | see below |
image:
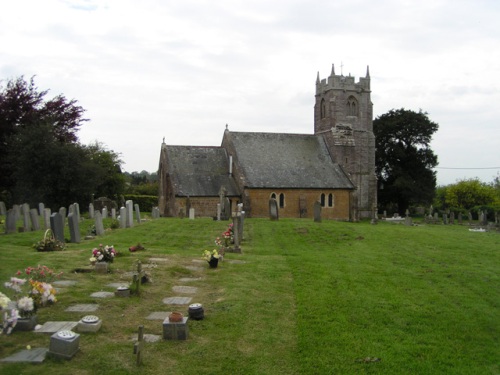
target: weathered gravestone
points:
(74, 227)
(123, 217)
(46, 218)
(57, 226)
(137, 213)
(17, 211)
(26, 217)
(10, 222)
(41, 208)
(35, 219)
(113, 213)
(273, 209)
(104, 213)
(99, 227)
(62, 212)
(218, 211)
(91, 210)
(317, 212)
(155, 213)
(3, 209)
(191, 213)
(76, 208)
(129, 205)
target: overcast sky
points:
(184, 69)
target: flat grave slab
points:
(177, 300)
(158, 315)
(158, 260)
(32, 356)
(117, 285)
(185, 289)
(53, 327)
(64, 283)
(89, 307)
(194, 268)
(189, 279)
(102, 294)
(235, 261)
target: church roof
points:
(280, 160)
(199, 171)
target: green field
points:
(310, 298)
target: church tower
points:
(343, 114)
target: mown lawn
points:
(311, 298)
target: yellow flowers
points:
(207, 254)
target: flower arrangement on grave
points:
(49, 243)
(135, 248)
(9, 315)
(212, 257)
(103, 254)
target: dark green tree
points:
(404, 161)
(23, 107)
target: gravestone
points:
(91, 210)
(408, 221)
(104, 213)
(155, 213)
(76, 207)
(35, 219)
(137, 213)
(302, 206)
(57, 226)
(99, 227)
(129, 221)
(46, 218)
(445, 219)
(227, 209)
(3, 209)
(26, 217)
(218, 211)
(273, 209)
(113, 213)
(10, 222)
(71, 209)
(436, 216)
(139, 345)
(41, 208)
(74, 227)
(236, 232)
(240, 227)
(62, 212)
(123, 217)
(17, 211)
(317, 212)
(191, 213)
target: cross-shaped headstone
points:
(138, 346)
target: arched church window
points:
(330, 200)
(282, 200)
(352, 106)
(273, 196)
(323, 108)
(322, 199)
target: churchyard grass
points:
(311, 298)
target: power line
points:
(466, 168)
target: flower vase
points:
(213, 262)
(26, 324)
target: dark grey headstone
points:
(57, 226)
(74, 227)
(62, 211)
(10, 222)
(273, 209)
(76, 208)
(35, 219)
(26, 217)
(36, 355)
(317, 212)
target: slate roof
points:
(199, 171)
(279, 160)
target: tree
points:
(403, 158)
(23, 107)
(466, 194)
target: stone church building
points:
(334, 166)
